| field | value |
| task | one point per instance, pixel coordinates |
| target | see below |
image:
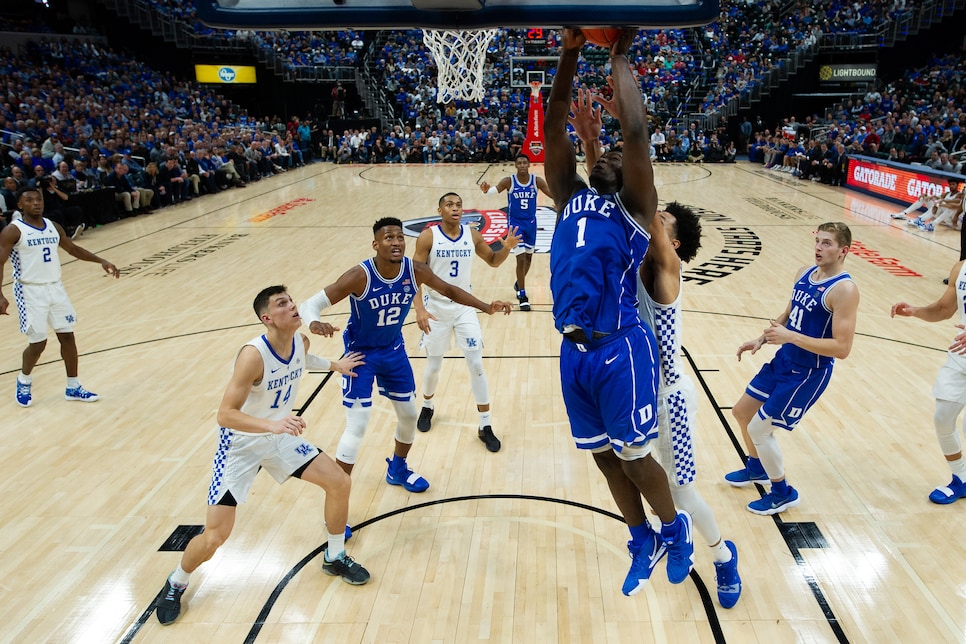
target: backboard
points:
(453, 14)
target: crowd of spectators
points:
(78, 118)
(917, 119)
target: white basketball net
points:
(459, 57)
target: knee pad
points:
(945, 421)
(481, 390)
(686, 498)
(431, 375)
(762, 434)
(406, 414)
(356, 419)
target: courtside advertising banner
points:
(225, 74)
(902, 184)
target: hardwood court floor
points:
(519, 546)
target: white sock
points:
(428, 403)
(720, 552)
(179, 577)
(73, 383)
(484, 419)
(959, 468)
(24, 378)
(336, 546)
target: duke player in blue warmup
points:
(381, 290)
(675, 238)
(817, 326)
(608, 359)
(258, 431)
(31, 242)
(521, 214)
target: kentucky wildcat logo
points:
(492, 224)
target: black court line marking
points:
(796, 535)
(713, 622)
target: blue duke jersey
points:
(451, 259)
(274, 396)
(811, 316)
(378, 313)
(595, 255)
(34, 256)
(522, 200)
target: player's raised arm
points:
(352, 282)
(638, 192)
(560, 156)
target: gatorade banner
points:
(533, 144)
(897, 182)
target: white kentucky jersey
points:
(961, 293)
(665, 321)
(34, 257)
(272, 398)
(452, 259)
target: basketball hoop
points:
(459, 57)
(535, 88)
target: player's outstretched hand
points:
(323, 328)
(422, 319)
(348, 362)
(497, 305)
(752, 346)
(572, 38)
(777, 333)
(4, 303)
(110, 269)
(902, 309)
(584, 117)
(293, 425)
(623, 44)
(512, 237)
(484, 187)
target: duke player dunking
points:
(817, 326)
(675, 238)
(381, 291)
(608, 359)
(521, 214)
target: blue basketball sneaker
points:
(679, 539)
(81, 394)
(949, 493)
(643, 559)
(773, 503)
(402, 475)
(751, 473)
(726, 576)
(24, 398)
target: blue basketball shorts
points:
(787, 390)
(527, 231)
(610, 389)
(388, 368)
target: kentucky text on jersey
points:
(589, 201)
(454, 252)
(43, 241)
(278, 383)
(389, 299)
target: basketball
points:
(602, 37)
